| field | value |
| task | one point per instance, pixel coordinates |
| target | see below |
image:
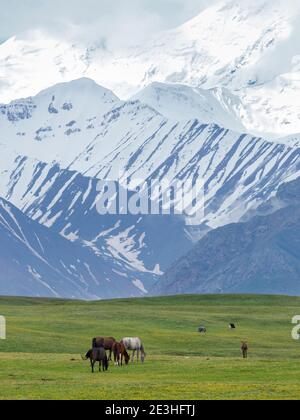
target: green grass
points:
(41, 357)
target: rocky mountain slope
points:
(35, 261)
(260, 256)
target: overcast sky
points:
(118, 21)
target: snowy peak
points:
(45, 126)
(180, 102)
(249, 50)
(83, 94)
(229, 42)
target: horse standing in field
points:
(106, 342)
(245, 349)
(120, 354)
(98, 355)
(135, 345)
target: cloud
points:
(119, 22)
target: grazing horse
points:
(98, 355)
(202, 330)
(245, 349)
(106, 342)
(120, 354)
(136, 345)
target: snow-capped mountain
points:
(238, 170)
(239, 173)
(246, 50)
(56, 123)
(65, 202)
(35, 261)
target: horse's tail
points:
(94, 343)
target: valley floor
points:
(41, 358)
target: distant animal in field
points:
(245, 349)
(98, 355)
(106, 342)
(232, 326)
(202, 330)
(136, 346)
(120, 354)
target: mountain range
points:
(210, 101)
(259, 256)
(246, 53)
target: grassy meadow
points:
(41, 358)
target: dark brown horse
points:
(120, 354)
(98, 355)
(106, 342)
(245, 349)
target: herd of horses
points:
(119, 350)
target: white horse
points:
(136, 346)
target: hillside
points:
(259, 256)
(36, 261)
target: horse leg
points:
(133, 354)
(92, 365)
(110, 352)
(138, 355)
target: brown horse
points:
(120, 354)
(106, 342)
(245, 349)
(98, 355)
